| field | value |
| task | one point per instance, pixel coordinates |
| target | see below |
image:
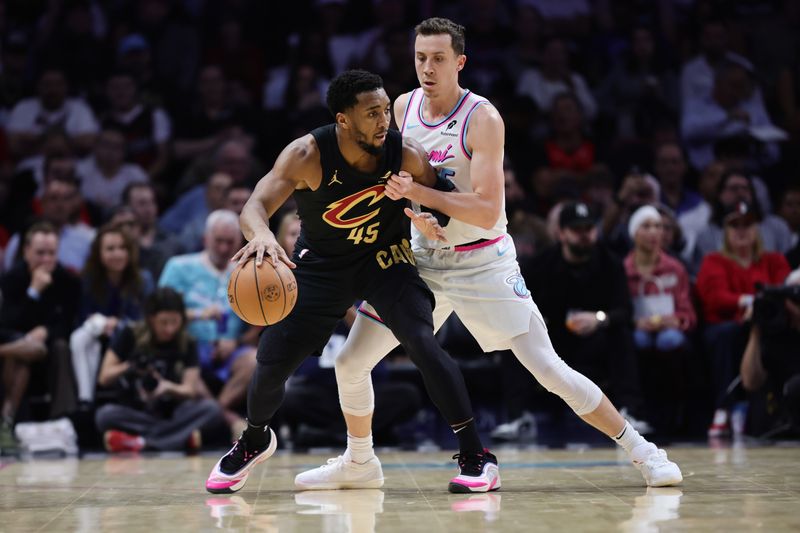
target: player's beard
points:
(371, 149)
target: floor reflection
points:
(48, 472)
(488, 504)
(234, 513)
(351, 511)
(658, 504)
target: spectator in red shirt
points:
(569, 149)
(727, 284)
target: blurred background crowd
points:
(652, 189)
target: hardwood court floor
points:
(728, 489)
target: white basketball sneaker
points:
(342, 473)
(658, 470)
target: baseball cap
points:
(738, 211)
(132, 43)
(576, 214)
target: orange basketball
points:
(262, 295)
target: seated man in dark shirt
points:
(581, 290)
(41, 305)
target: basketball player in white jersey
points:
(474, 274)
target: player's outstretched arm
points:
(295, 164)
(482, 206)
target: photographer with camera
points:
(154, 364)
(770, 366)
(727, 285)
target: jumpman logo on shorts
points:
(334, 179)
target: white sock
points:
(633, 443)
(360, 448)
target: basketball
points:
(262, 295)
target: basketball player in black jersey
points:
(353, 245)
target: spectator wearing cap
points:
(50, 109)
(133, 55)
(582, 292)
(735, 187)
(726, 285)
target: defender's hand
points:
(400, 186)
(260, 246)
(427, 224)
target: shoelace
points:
(333, 461)
(471, 464)
(237, 457)
(657, 458)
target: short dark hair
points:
(438, 26)
(54, 156)
(344, 89)
(39, 227)
(129, 188)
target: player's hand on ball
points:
(400, 186)
(261, 246)
(427, 224)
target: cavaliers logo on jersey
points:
(336, 215)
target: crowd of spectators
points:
(651, 172)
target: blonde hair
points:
(758, 246)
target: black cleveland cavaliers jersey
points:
(349, 215)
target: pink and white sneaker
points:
(230, 473)
(478, 473)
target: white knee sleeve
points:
(356, 395)
(367, 343)
(536, 353)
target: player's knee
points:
(350, 369)
(104, 418)
(579, 392)
(271, 376)
(420, 345)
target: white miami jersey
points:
(445, 142)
